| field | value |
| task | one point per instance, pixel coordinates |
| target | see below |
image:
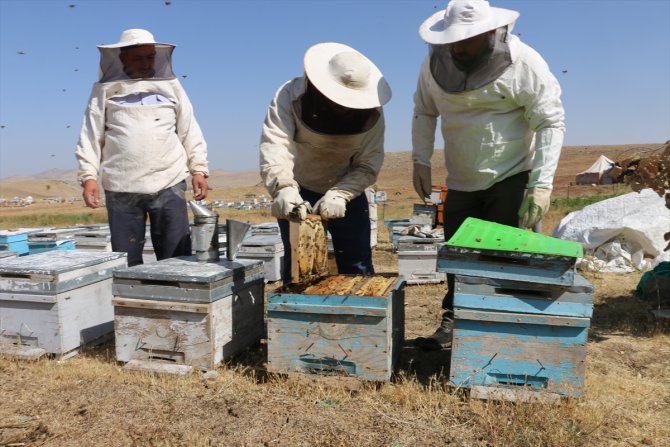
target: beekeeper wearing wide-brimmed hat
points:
(322, 145)
(140, 140)
(501, 118)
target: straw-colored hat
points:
(345, 76)
(464, 19)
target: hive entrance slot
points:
(542, 294)
(327, 366)
(164, 355)
(156, 282)
(520, 380)
(502, 260)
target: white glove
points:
(288, 203)
(423, 184)
(332, 205)
(535, 204)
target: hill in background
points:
(395, 176)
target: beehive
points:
(53, 302)
(51, 239)
(14, 240)
(417, 260)
(187, 314)
(93, 239)
(267, 248)
(521, 314)
(394, 228)
(342, 324)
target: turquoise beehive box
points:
(521, 313)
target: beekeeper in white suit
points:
(139, 137)
(322, 145)
(501, 118)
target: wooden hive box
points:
(93, 239)
(342, 324)
(394, 228)
(52, 239)
(417, 260)
(509, 334)
(187, 314)
(521, 313)
(54, 302)
(267, 248)
(16, 241)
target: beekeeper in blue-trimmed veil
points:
(140, 140)
(501, 119)
(322, 145)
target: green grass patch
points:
(52, 220)
(569, 204)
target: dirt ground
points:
(90, 400)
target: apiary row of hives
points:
(521, 313)
(178, 314)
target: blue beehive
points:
(14, 240)
(521, 318)
(52, 239)
(395, 227)
(341, 325)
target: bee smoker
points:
(205, 233)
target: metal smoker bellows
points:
(205, 233)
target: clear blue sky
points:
(237, 53)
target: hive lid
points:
(58, 270)
(187, 269)
(55, 262)
(479, 234)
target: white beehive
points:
(54, 302)
(183, 314)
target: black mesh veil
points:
(111, 68)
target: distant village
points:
(251, 203)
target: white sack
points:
(633, 224)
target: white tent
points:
(598, 173)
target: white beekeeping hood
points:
(111, 67)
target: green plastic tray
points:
(483, 235)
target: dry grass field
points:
(89, 400)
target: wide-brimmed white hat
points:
(345, 76)
(464, 19)
(136, 36)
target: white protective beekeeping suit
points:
(338, 164)
(292, 154)
(498, 120)
(511, 125)
(139, 149)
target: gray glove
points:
(423, 184)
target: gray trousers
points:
(170, 233)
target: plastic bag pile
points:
(622, 234)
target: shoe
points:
(441, 339)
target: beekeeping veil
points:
(461, 20)
(111, 67)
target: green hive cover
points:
(484, 235)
